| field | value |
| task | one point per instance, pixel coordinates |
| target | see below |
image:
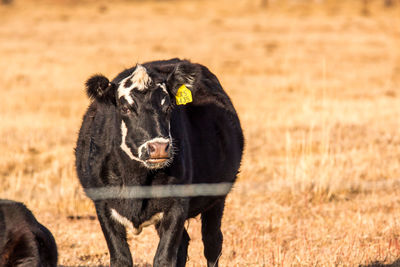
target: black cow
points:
(24, 242)
(159, 123)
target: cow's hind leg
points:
(115, 235)
(211, 233)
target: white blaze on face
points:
(139, 79)
(124, 146)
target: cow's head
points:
(143, 102)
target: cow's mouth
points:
(156, 160)
(157, 163)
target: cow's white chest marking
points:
(127, 223)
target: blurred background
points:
(317, 88)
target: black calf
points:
(24, 242)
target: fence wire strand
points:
(159, 191)
(241, 188)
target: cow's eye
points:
(125, 110)
(168, 109)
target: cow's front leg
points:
(115, 234)
(170, 230)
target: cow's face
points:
(143, 107)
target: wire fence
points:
(159, 191)
(242, 188)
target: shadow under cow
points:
(135, 265)
(378, 264)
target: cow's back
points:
(214, 130)
(23, 239)
(217, 144)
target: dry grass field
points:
(316, 85)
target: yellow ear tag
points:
(183, 96)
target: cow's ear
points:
(183, 74)
(100, 88)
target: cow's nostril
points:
(152, 148)
(167, 147)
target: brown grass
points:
(317, 88)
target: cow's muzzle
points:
(158, 151)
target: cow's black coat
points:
(23, 240)
(208, 145)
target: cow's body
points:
(23, 240)
(207, 145)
